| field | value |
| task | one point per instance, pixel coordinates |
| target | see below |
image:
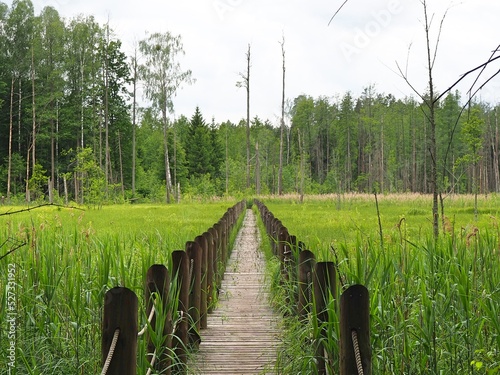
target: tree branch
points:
(33, 208)
(12, 250)
(338, 10)
(481, 72)
(465, 75)
(438, 39)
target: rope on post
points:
(357, 353)
(110, 352)
(150, 317)
(150, 369)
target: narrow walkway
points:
(242, 335)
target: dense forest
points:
(71, 128)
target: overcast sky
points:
(360, 47)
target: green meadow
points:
(321, 221)
(434, 303)
(52, 287)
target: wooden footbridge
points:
(240, 334)
(243, 331)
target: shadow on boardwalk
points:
(242, 335)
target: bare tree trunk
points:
(9, 168)
(134, 109)
(121, 163)
(51, 190)
(302, 166)
(280, 170)
(174, 184)
(33, 149)
(100, 142)
(57, 142)
(248, 117)
(348, 175)
(494, 146)
(168, 180)
(227, 163)
(77, 189)
(27, 186)
(52, 155)
(81, 105)
(19, 116)
(107, 165)
(432, 136)
(257, 169)
(65, 183)
(414, 162)
(382, 168)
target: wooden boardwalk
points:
(243, 331)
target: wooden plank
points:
(242, 335)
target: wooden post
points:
(306, 267)
(195, 254)
(216, 231)
(202, 241)
(324, 286)
(355, 331)
(283, 251)
(158, 282)
(210, 271)
(275, 228)
(224, 240)
(291, 256)
(180, 270)
(120, 312)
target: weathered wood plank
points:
(242, 334)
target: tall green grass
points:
(434, 304)
(70, 259)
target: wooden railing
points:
(177, 303)
(314, 285)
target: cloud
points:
(318, 60)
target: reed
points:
(433, 304)
(70, 259)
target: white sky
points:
(360, 47)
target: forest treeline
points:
(71, 130)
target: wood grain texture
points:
(243, 331)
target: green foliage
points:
(71, 258)
(37, 180)
(347, 143)
(432, 304)
(472, 136)
(91, 176)
(161, 72)
(203, 150)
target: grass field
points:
(52, 287)
(348, 219)
(434, 304)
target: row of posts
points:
(181, 299)
(315, 292)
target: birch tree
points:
(162, 76)
(282, 122)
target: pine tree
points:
(199, 148)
